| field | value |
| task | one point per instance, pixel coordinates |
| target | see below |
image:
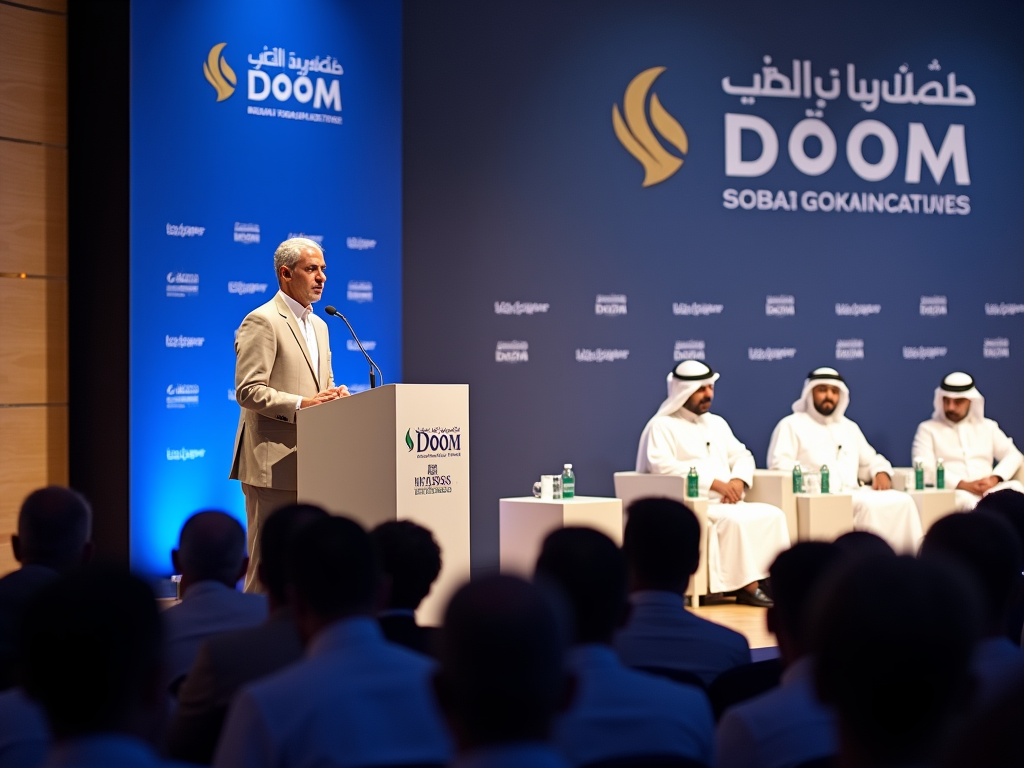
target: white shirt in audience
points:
(998, 665)
(662, 633)
(355, 699)
(618, 712)
(779, 729)
(24, 732)
(207, 608)
(534, 755)
(106, 751)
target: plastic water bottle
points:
(798, 479)
(568, 482)
(940, 474)
(918, 474)
(824, 478)
(692, 484)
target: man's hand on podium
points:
(331, 393)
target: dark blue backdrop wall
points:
(541, 270)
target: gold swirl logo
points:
(636, 135)
(218, 73)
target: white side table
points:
(823, 516)
(933, 504)
(524, 522)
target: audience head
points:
(590, 571)
(211, 547)
(410, 558)
(893, 637)
(279, 530)
(335, 573)
(1007, 504)
(863, 544)
(795, 574)
(502, 676)
(661, 544)
(92, 650)
(986, 546)
(54, 528)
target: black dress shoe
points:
(756, 598)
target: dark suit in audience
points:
(616, 712)
(411, 561)
(892, 639)
(92, 657)
(502, 677)
(987, 547)
(228, 661)
(355, 699)
(788, 725)
(211, 559)
(662, 548)
(24, 732)
(54, 524)
(1009, 505)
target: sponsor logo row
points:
(774, 306)
(248, 233)
(183, 285)
(693, 349)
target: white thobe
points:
(812, 441)
(968, 450)
(744, 538)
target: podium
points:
(398, 452)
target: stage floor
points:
(745, 619)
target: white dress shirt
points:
(107, 751)
(24, 731)
(619, 712)
(662, 633)
(303, 315)
(781, 728)
(207, 608)
(355, 700)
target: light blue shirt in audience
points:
(522, 755)
(207, 608)
(618, 712)
(24, 732)
(355, 700)
(662, 633)
(781, 728)
(107, 751)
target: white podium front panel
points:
(398, 452)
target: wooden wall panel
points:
(33, 209)
(33, 453)
(57, 6)
(33, 75)
(33, 342)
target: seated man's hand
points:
(990, 482)
(731, 491)
(979, 487)
(324, 397)
(882, 482)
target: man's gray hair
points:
(290, 251)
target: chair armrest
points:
(775, 487)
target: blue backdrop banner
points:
(604, 188)
(251, 122)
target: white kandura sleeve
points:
(867, 457)
(784, 448)
(741, 460)
(662, 458)
(1006, 453)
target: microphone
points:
(373, 376)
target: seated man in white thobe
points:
(744, 537)
(968, 444)
(818, 434)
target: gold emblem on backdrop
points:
(218, 73)
(636, 135)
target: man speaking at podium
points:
(282, 364)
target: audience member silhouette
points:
(502, 677)
(211, 559)
(987, 547)
(92, 659)
(355, 699)
(662, 549)
(863, 544)
(788, 725)
(53, 538)
(411, 560)
(1009, 505)
(892, 640)
(992, 738)
(616, 712)
(228, 661)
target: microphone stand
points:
(373, 365)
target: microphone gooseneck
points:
(330, 310)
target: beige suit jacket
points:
(272, 368)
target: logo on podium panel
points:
(218, 73)
(635, 132)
